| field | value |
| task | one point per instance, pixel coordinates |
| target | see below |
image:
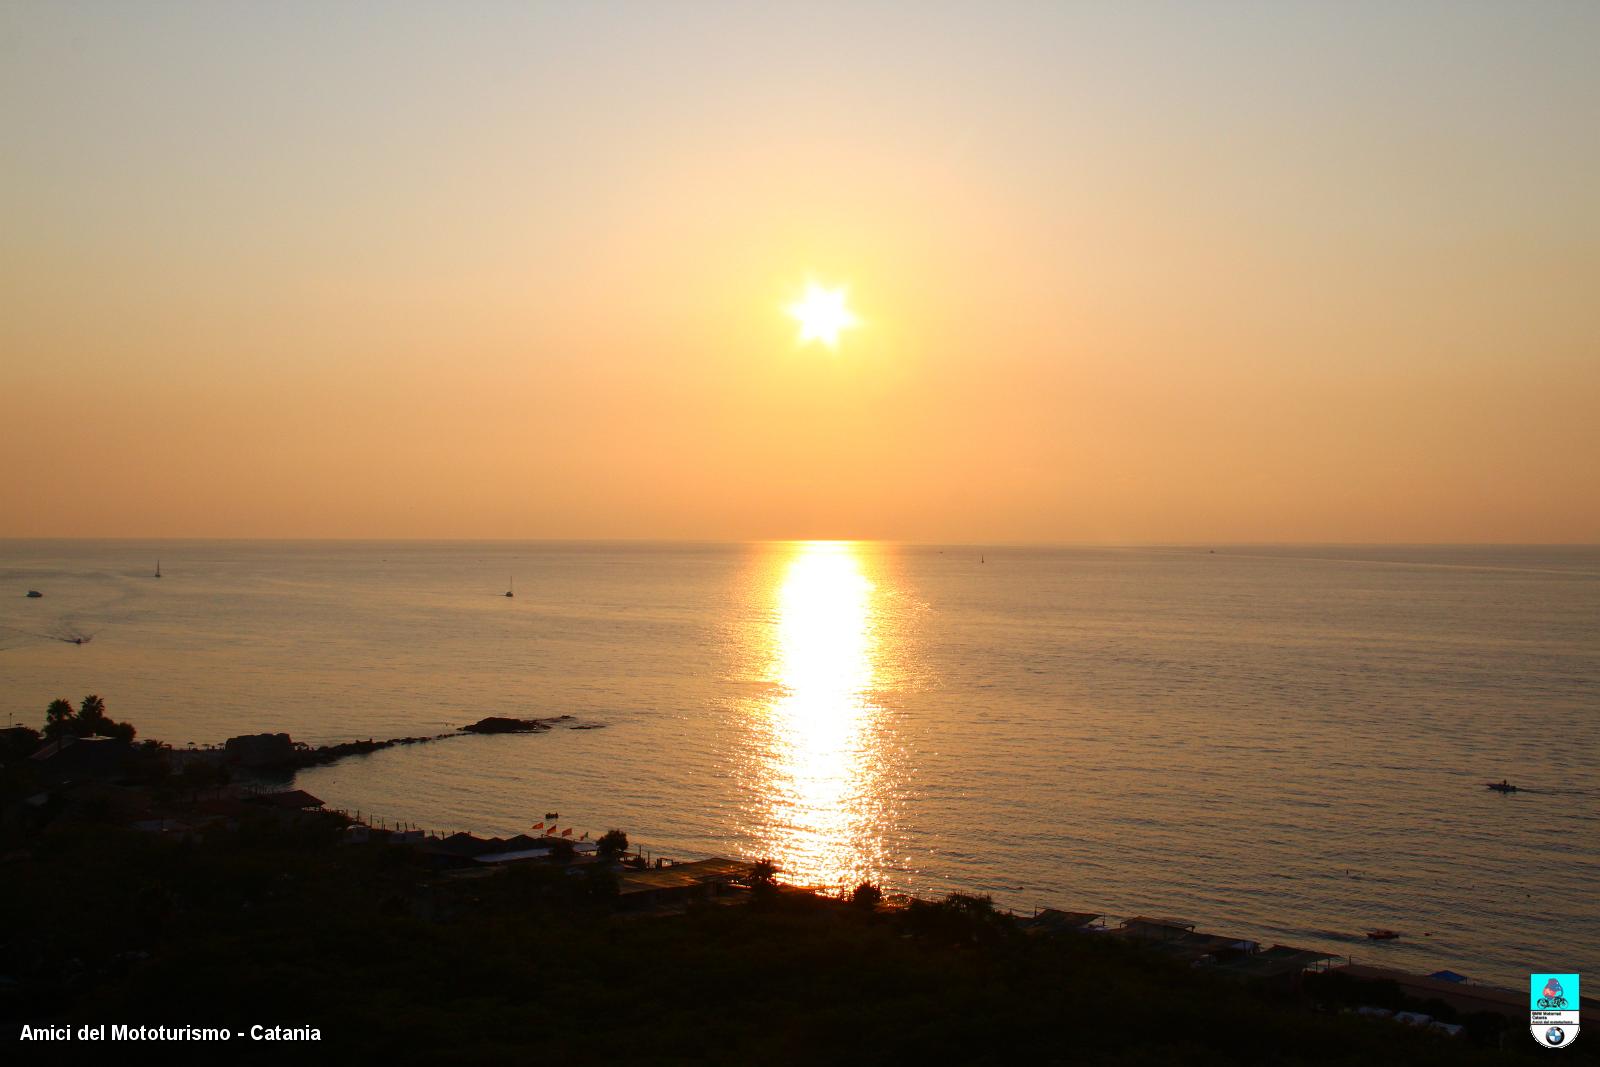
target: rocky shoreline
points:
(280, 752)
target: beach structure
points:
(1464, 996)
(1179, 939)
(289, 800)
(521, 855)
(1279, 965)
(1234, 957)
(467, 850)
(1053, 921)
(680, 883)
(1143, 928)
(1177, 932)
(82, 758)
(468, 845)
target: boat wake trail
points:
(66, 633)
(73, 636)
(11, 637)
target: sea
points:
(1289, 744)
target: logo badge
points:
(1553, 1009)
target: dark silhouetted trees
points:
(59, 719)
(88, 721)
(612, 843)
(866, 896)
(764, 879)
(17, 743)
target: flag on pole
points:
(552, 831)
(567, 832)
(538, 825)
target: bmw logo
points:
(1555, 1035)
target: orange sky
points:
(1127, 273)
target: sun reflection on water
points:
(819, 748)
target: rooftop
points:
(1142, 926)
(1276, 962)
(513, 857)
(680, 875)
(290, 798)
(1052, 919)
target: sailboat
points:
(158, 568)
(513, 590)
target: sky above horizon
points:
(1125, 272)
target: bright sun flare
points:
(822, 314)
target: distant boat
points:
(1383, 935)
(35, 594)
(158, 568)
(513, 590)
(1502, 786)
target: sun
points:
(822, 314)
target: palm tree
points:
(58, 719)
(92, 712)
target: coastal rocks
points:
(260, 750)
(280, 752)
(496, 724)
(329, 753)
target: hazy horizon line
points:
(135, 538)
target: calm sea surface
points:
(1285, 743)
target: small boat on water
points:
(1502, 786)
(158, 568)
(34, 594)
(1383, 935)
(513, 590)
